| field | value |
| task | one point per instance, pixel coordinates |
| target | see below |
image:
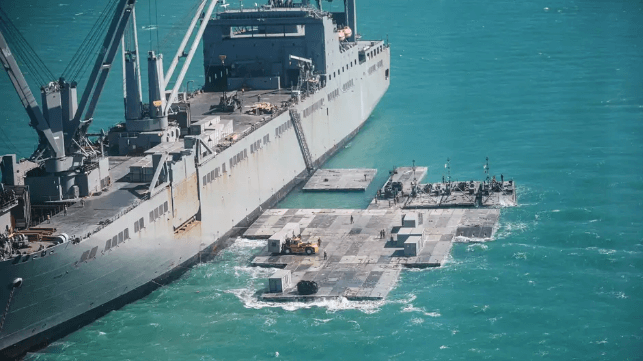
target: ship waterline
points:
(150, 238)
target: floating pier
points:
(362, 251)
(463, 194)
(356, 179)
(361, 262)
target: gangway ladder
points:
(299, 131)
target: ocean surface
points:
(550, 90)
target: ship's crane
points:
(62, 124)
(69, 166)
(152, 116)
(306, 70)
(47, 134)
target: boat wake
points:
(252, 281)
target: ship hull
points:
(62, 292)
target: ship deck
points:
(201, 106)
(89, 215)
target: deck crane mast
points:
(62, 123)
(153, 116)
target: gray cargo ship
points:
(93, 221)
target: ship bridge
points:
(254, 48)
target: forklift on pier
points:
(294, 245)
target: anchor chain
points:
(6, 309)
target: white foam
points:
(506, 229)
(417, 321)
(463, 239)
(410, 308)
(319, 321)
(250, 300)
(241, 243)
(477, 246)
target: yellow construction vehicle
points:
(296, 246)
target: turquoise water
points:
(550, 91)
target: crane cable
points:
(76, 62)
(38, 70)
(178, 26)
(93, 45)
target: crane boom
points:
(188, 60)
(38, 121)
(102, 66)
(184, 42)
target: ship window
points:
(204, 180)
(245, 153)
(126, 233)
(156, 213)
(120, 237)
(114, 241)
(136, 227)
(208, 177)
(92, 254)
(151, 216)
(141, 224)
(223, 167)
(161, 210)
(252, 148)
(108, 245)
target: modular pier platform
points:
(362, 251)
(360, 264)
(340, 180)
(464, 194)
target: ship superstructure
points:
(286, 85)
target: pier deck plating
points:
(356, 179)
(362, 251)
(360, 264)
